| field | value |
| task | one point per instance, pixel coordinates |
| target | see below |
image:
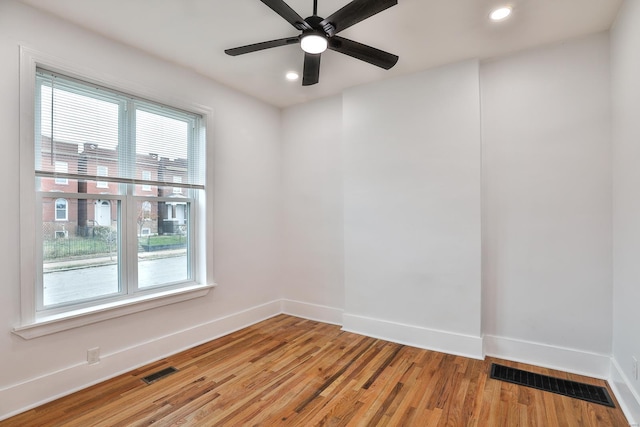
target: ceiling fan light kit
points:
(319, 34)
(313, 43)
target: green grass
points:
(162, 240)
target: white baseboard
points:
(23, 396)
(628, 399)
(29, 394)
(415, 336)
(319, 313)
(547, 356)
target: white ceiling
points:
(424, 33)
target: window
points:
(146, 176)
(133, 255)
(102, 171)
(61, 207)
(177, 180)
(61, 168)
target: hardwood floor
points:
(294, 372)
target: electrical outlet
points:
(634, 369)
(93, 356)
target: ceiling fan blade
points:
(284, 10)
(261, 46)
(363, 52)
(311, 72)
(354, 12)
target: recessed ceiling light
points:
(292, 75)
(500, 13)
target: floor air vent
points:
(159, 375)
(590, 393)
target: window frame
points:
(146, 176)
(58, 165)
(177, 180)
(66, 210)
(102, 170)
(34, 324)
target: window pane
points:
(78, 128)
(95, 148)
(163, 136)
(61, 206)
(102, 171)
(88, 127)
(163, 141)
(178, 180)
(147, 176)
(61, 167)
(162, 243)
(78, 117)
(79, 255)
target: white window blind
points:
(86, 126)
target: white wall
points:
(625, 72)
(411, 164)
(547, 203)
(409, 152)
(313, 227)
(246, 180)
(412, 209)
(547, 259)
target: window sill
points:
(51, 324)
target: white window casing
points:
(37, 319)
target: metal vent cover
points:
(149, 379)
(576, 390)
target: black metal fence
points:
(75, 247)
(104, 243)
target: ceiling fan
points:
(319, 34)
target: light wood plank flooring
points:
(293, 372)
